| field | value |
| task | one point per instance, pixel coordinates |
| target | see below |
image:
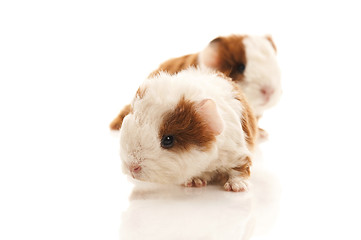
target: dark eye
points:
(167, 141)
(241, 68)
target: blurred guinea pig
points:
(189, 128)
(249, 60)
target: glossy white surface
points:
(175, 212)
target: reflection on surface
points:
(175, 212)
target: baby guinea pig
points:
(189, 128)
(249, 60)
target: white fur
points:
(140, 143)
(262, 70)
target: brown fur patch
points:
(140, 92)
(244, 170)
(175, 65)
(231, 55)
(187, 127)
(269, 38)
(116, 124)
(249, 122)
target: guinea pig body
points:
(249, 60)
(187, 129)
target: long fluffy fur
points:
(230, 153)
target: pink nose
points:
(267, 92)
(135, 168)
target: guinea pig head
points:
(251, 62)
(169, 141)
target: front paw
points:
(195, 182)
(236, 185)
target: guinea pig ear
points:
(209, 57)
(269, 38)
(207, 110)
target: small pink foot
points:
(195, 182)
(236, 185)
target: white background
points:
(67, 67)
